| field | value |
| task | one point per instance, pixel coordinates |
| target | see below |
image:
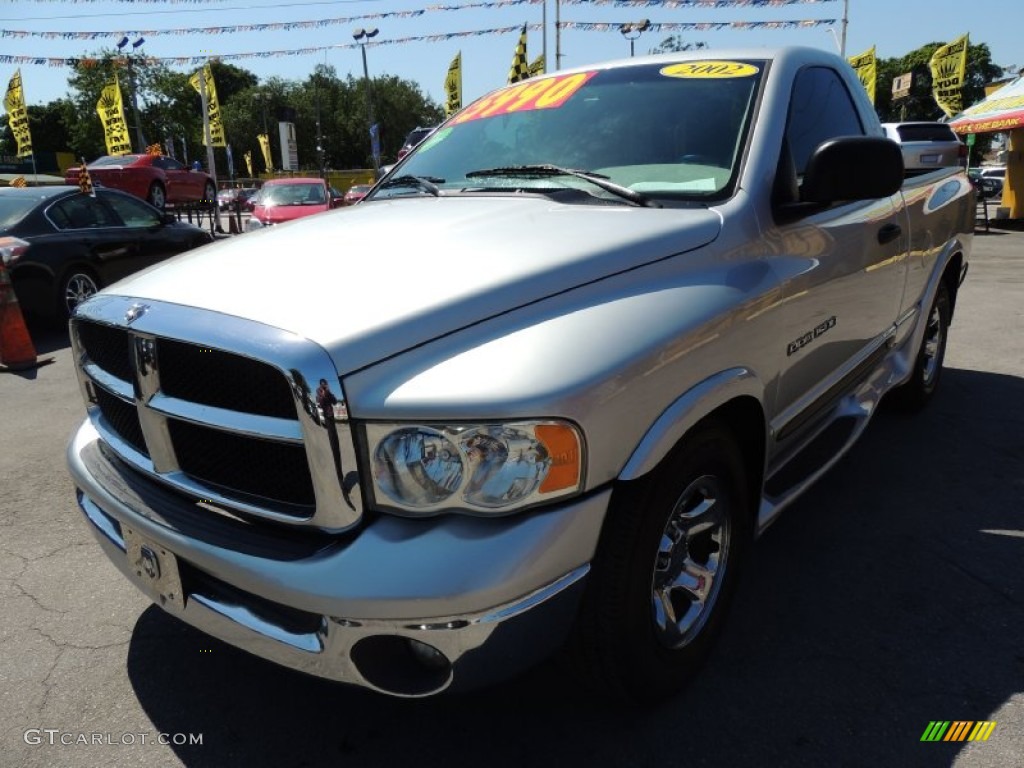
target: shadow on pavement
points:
(887, 597)
(47, 336)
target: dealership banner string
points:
(702, 26)
(192, 60)
(702, 4)
(267, 27)
(577, 25)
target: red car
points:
(281, 200)
(156, 179)
(356, 193)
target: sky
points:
(895, 27)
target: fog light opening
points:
(427, 655)
(401, 666)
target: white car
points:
(927, 146)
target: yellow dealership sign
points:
(866, 67)
(111, 112)
(17, 115)
(264, 141)
(213, 105)
(453, 86)
(949, 67)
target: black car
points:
(61, 246)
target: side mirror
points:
(852, 168)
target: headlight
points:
(482, 468)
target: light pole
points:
(139, 137)
(262, 99)
(319, 132)
(632, 32)
(362, 37)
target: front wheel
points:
(924, 381)
(665, 570)
(157, 197)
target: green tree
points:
(46, 124)
(676, 43)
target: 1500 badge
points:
(795, 346)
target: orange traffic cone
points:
(16, 349)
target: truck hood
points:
(373, 280)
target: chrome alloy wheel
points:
(689, 567)
(931, 350)
(78, 288)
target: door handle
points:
(888, 233)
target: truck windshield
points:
(666, 130)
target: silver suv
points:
(927, 146)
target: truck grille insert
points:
(224, 380)
(254, 467)
(108, 348)
(123, 418)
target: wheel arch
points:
(734, 399)
(952, 276)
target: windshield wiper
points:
(546, 171)
(426, 183)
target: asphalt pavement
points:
(888, 597)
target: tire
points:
(924, 381)
(76, 285)
(209, 195)
(665, 571)
(157, 196)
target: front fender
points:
(707, 396)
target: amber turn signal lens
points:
(563, 448)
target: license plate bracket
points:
(155, 570)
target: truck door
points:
(846, 264)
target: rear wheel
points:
(77, 285)
(916, 392)
(209, 194)
(665, 571)
(157, 197)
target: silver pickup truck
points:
(539, 391)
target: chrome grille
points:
(122, 418)
(108, 348)
(261, 468)
(213, 377)
(220, 408)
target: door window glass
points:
(820, 109)
(80, 212)
(134, 213)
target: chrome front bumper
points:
(406, 607)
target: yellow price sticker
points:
(710, 69)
